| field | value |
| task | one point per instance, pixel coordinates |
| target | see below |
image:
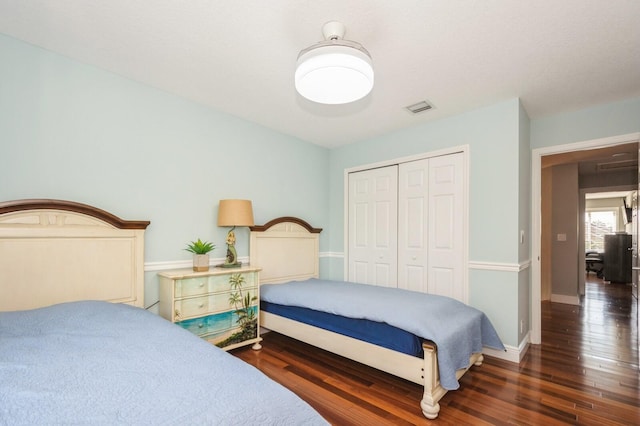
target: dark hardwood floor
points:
(585, 372)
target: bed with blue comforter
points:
(428, 339)
(100, 363)
(457, 329)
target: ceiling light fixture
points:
(334, 71)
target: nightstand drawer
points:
(212, 326)
(208, 325)
(197, 306)
(200, 285)
(213, 284)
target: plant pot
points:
(200, 262)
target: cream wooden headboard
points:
(54, 251)
(286, 248)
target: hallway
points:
(593, 347)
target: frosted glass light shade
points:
(334, 73)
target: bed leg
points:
(479, 361)
(429, 409)
(432, 389)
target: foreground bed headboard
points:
(286, 248)
(54, 251)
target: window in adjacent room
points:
(597, 224)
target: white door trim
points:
(536, 187)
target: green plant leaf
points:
(200, 247)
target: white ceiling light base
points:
(334, 71)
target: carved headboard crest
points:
(71, 206)
(291, 219)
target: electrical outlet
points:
(521, 237)
(521, 326)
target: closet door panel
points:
(446, 240)
(361, 225)
(414, 278)
(373, 217)
(442, 281)
(382, 275)
(358, 272)
(413, 207)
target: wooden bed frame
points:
(287, 249)
(54, 251)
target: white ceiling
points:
(239, 56)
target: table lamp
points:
(234, 213)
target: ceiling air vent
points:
(419, 107)
(618, 165)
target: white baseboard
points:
(563, 298)
(512, 353)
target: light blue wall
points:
(601, 121)
(492, 135)
(494, 138)
(72, 131)
(500, 138)
(496, 294)
(75, 132)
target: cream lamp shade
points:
(235, 213)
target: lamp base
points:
(229, 265)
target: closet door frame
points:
(464, 149)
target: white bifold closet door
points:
(409, 236)
(430, 226)
(373, 219)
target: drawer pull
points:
(201, 284)
(200, 305)
(200, 325)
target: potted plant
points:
(200, 250)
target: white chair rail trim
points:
(504, 267)
(336, 254)
(180, 264)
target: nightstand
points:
(220, 305)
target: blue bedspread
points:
(102, 364)
(457, 329)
